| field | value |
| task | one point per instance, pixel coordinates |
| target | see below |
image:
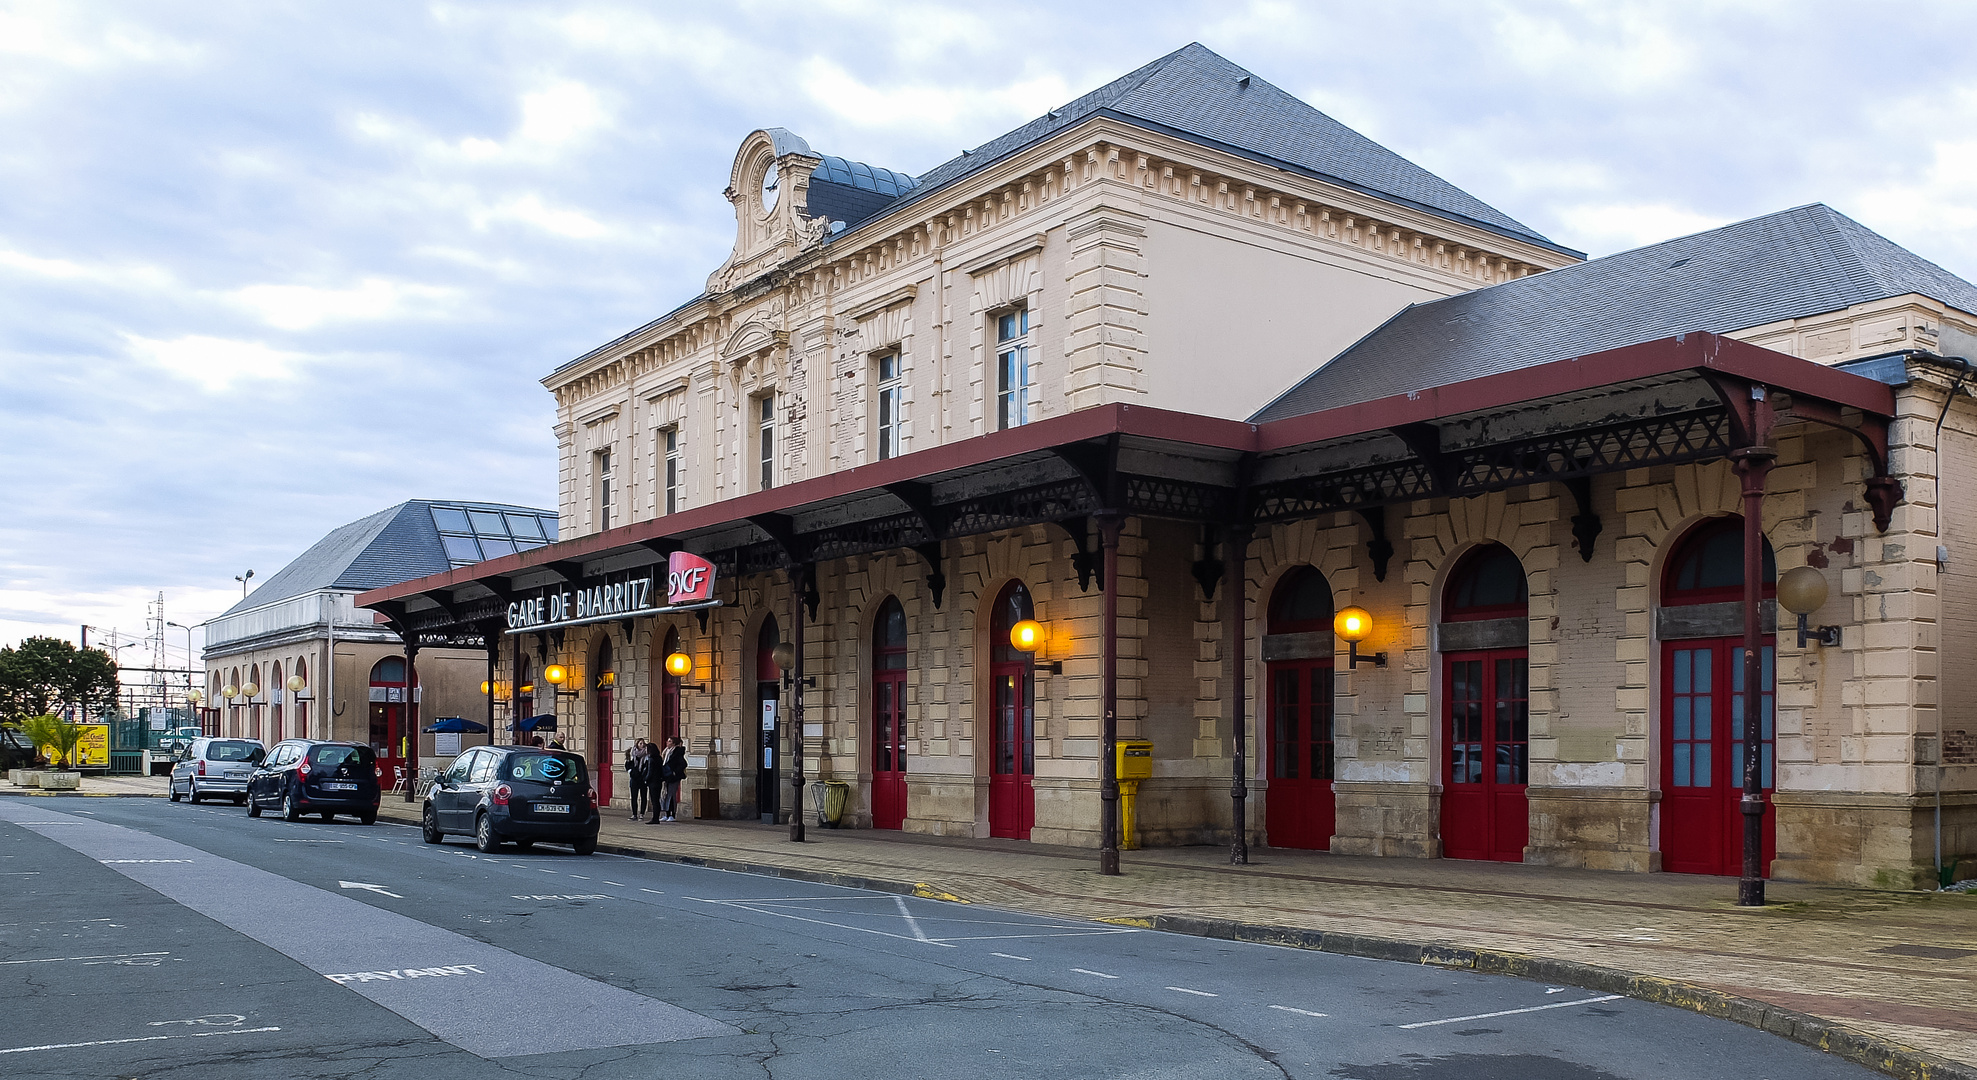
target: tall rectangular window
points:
(1013, 402)
(891, 403)
(605, 484)
(675, 469)
(765, 442)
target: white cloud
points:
(551, 123)
(531, 210)
(126, 275)
(1604, 228)
(216, 363)
(974, 112)
(299, 307)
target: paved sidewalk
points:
(1899, 967)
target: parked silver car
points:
(216, 767)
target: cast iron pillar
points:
(1235, 630)
(799, 586)
(1752, 464)
(493, 670)
(409, 729)
(1108, 788)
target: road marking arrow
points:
(379, 889)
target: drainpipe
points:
(1942, 478)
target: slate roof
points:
(388, 547)
(1197, 95)
(1805, 261)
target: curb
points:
(84, 794)
(1882, 1055)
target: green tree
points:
(53, 733)
(45, 675)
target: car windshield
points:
(343, 760)
(547, 768)
(230, 751)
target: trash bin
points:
(833, 797)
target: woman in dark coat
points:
(638, 760)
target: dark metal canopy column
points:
(1108, 789)
(1235, 631)
(1753, 464)
(799, 587)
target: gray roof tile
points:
(1787, 265)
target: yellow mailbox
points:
(1134, 764)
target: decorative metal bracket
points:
(1208, 569)
(936, 574)
(1087, 561)
(1586, 525)
(1379, 548)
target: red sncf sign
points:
(689, 578)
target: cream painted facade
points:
(1157, 271)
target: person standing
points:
(672, 769)
(638, 762)
(655, 774)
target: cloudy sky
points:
(266, 268)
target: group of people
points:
(655, 772)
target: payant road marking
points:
(1300, 1012)
(1197, 993)
(405, 973)
(1512, 1012)
(1100, 974)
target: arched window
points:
(278, 694)
(889, 716)
(1488, 584)
(1302, 603)
(301, 703)
(389, 671)
(1707, 567)
(1012, 697)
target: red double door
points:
(889, 749)
(1299, 811)
(1012, 769)
(1702, 756)
(1486, 728)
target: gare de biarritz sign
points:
(688, 584)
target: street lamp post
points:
(243, 579)
(190, 663)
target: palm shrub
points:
(54, 733)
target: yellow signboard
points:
(92, 750)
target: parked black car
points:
(519, 793)
(303, 776)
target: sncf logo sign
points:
(689, 578)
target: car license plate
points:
(339, 787)
(235, 774)
(551, 808)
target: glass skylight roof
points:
(471, 534)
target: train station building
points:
(1120, 424)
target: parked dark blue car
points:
(302, 776)
(519, 793)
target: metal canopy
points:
(1685, 399)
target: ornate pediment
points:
(751, 338)
(769, 187)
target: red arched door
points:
(1486, 714)
(889, 717)
(1298, 811)
(668, 712)
(605, 683)
(1012, 704)
(1702, 709)
(388, 694)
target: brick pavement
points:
(1901, 967)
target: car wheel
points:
(253, 808)
(192, 792)
(585, 845)
(329, 815)
(428, 825)
(369, 817)
(289, 811)
(174, 790)
(525, 845)
(240, 800)
(485, 838)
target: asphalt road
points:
(141, 938)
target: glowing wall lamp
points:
(1028, 636)
(557, 675)
(1353, 625)
(679, 665)
(1802, 591)
(784, 655)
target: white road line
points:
(654, 892)
(619, 884)
(818, 922)
(145, 1038)
(1196, 993)
(1100, 974)
(1010, 956)
(912, 923)
(1512, 1012)
(540, 870)
(62, 959)
(580, 877)
(1300, 1012)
